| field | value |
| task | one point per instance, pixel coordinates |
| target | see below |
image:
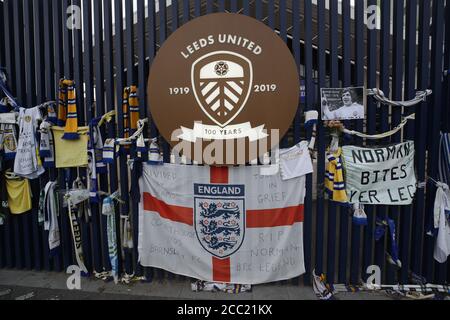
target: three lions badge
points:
(219, 218)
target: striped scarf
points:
(67, 109)
(134, 109)
(109, 212)
(334, 177)
(444, 158)
(130, 109)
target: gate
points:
(105, 45)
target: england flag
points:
(229, 225)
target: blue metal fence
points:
(332, 47)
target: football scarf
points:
(311, 118)
(46, 145)
(321, 289)
(52, 116)
(108, 211)
(198, 286)
(8, 140)
(334, 177)
(41, 209)
(4, 106)
(76, 235)
(4, 204)
(67, 109)
(380, 231)
(92, 177)
(442, 223)
(96, 143)
(95, 155)
(130, 111)
(359, 215)
(126, 233)
(125, 111)
(134, 109)
(154, 154)
(79, 195)
(50, 208)
(109, 151)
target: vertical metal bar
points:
(385, 63)
(186, 11)
(296, 50)
(441, 269)
(120, 84)
(99, 111)
(283, 20)
(78, 78)
(40, 97)
(30, 80)
(309, 106)
(321, 61)
(2, 63)
(283, 34)
(409, 93)
(259, 9)
(2, 227)
(446, 124)
(221, 5)
(8, 41)
(131, 80)
(234, 6)
(89, 102)
(435, 119)
(22, 223)
(142, 81)
(347, 79)
(50, 95)
(58, 64)
(59, 73)
(174, 14)
(63, 176)
(247, 7)
(271, 13)
(152, 52)
(397, 88)
(197, 8)
(162, 38)
(209, 6)
(332, 208)
(9, 57)
(297, 121)
(355, 266)
(371, 129)
(109, 100)
(421, 131)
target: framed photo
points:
(343, 103)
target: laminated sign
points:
(228, 225)
(382, 176)
(224, 78)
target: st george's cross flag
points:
(229, 225)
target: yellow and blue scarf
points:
(67, 109)
(334, 177)
(130, 110)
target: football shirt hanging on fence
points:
(228, 225)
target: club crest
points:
(219, 221)
(221, 82)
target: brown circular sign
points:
(221, 82)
